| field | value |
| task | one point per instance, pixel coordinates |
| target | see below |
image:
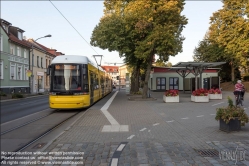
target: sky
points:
(71, 24)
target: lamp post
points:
(32, 72)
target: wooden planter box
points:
(171, 99)
(215, 96)
(233, 125)
(200, 99)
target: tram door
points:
(91, 87)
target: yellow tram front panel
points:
(69, 102)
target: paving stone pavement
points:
(159, 134)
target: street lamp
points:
(32, 75)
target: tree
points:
(161, 63)
(111, 34)
(230, 30)
(211, 52)
(158, 25)
(141, 29)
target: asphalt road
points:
(11, 110)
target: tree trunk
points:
(232, 72)
(132, 82)
(147, 76)
(137, 73)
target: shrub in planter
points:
(200, 95)
(171, 96)
(232, 116)
(17, 95)
(215, 94)
(200, 92)
(2, 94)
(171, 92)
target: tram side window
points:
(85, 78)
(96, 81)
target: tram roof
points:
(78, 59)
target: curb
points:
(2, 101)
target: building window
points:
(13, 71)
(25, 73)
(18, 51)
(1, 46)
(1, 69)
(46, 63)
(19, 72)
(25, 53)
(12, 49)
(41, 62)
(19, 35)
(174, 83)
(37, 61)
(160, 83)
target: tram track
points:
(27, 144)
(27, 123)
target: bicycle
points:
(238, 98)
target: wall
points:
(167, 75)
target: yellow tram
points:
(76, 82)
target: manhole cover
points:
(39, 145)
(208, 152)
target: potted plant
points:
(215, 93)
(231, 117)
(200, 95)
(171, 95)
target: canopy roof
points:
(198, 64)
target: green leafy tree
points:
(141, 29)
(161, 63)
(207, 51)
(158, 25)
(230, 30)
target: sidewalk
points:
(159, 134)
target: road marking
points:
(148, 130)
(185, 118)
(245, 108)
(212, 114)
(156, 124)
(108, 103)
(115, 126)
(114, 162)
(217, 103)
(200, 116)
(106, 113)
(143, 129)
(130, 137)
(170, 121)
(120, 148)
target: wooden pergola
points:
(196, 68)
